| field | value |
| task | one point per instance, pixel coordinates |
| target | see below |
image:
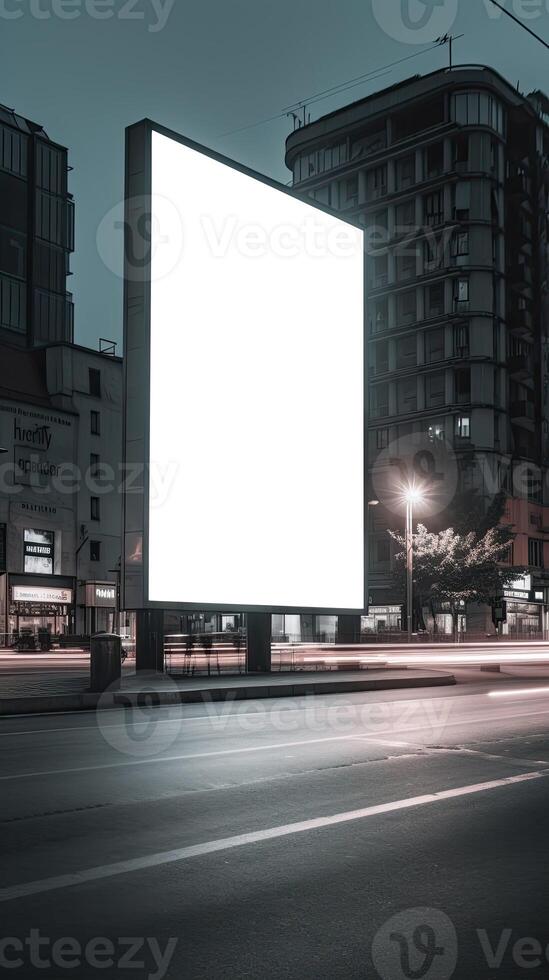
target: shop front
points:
(39, 605)
(524, 609)
(382, 619)
(101, 604)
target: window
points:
(434, 160)
(433, 253)
(310, 164)
(535, 490)
(322, 194)
(433, 208)
(461, 152)
(435, 430)
(379, 271)
(379, 400)
(13, 253)
(463, 427)
(426, 114)
(461, 339)
(379, 316)
(478, 109)
(494, 156)
(381, 220)
(434, 345)
(95, 423)
(38, 547)
(405, 172)
(460, 244)
(3, 530)
(406, 266)
(434, 305)
(95, 512)
(435, 390)
(94, 382)
(461, 294)
(377, 182)
(367, 144)
(406, 307)
(407, 351)
(535, 552)
(383, 551)
(94, 465)
(13, 151)
(13, 314)
(462, 385)
(381, 357)
(95, 551)
(405, 216)
(350, 190)
(382, 438)
(462, 200)
(407, 396)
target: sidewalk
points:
(46, 693)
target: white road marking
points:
(359, 705)
(525, 692)
(131, 865)
(156, 760)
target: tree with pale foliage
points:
(456, 568)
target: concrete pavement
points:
(355, 808)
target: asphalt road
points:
(269, 839)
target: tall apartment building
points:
(452, 170)
(60, 410)
(36, 235)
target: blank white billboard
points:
(256, 440)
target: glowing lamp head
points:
(413, 495)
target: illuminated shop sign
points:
(37, 593)
(101, 595)
(38, 548)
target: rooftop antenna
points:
(300, 116)
(448, 39)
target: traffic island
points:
(148, 689)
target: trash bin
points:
(105, 661)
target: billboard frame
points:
(136, 378)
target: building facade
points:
(60, 490)
(60, 411)
(36, 235)
(449, 174)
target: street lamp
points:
(412, 495)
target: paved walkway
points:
(20, 693)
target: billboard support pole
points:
(258, 632)
(149, 640)
(348, 629)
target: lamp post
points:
(412, 495)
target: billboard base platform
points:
(154, 690)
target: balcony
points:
(520, 365)
(518, 186)
(522, 411)
(520, 323)
(519, 273)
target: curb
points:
(133, 699)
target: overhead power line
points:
(520, 23)
(338, 89)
